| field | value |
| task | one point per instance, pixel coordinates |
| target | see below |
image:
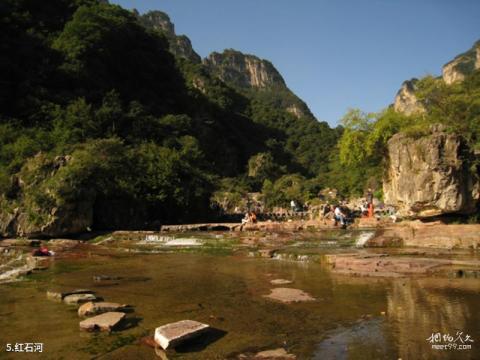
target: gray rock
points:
(430, 176)
(104, 322)
(59, 295)
(463, 65)
(76, 299)
(171, 335)
(280, 282)
(278, 354)
(406, 101)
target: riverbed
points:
(220, 281)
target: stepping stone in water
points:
(287, 295)
(76, 299)
(95, 308)
(104, 322)
(58, 295)
(99, 278)
(173, 334)
(280, 354)
(280, 282)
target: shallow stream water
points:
(351, 318)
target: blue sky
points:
(334, 54)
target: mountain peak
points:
(244, 70)
(180, 46)
(462, 65)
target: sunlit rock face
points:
(257, 77)
(244, 71)
(406, 101)
(462, 65)
(431, 176)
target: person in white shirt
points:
(293, 205)
(339, 216)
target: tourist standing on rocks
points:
(339, 216)
(293, 205)
(369, 198)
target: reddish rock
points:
(434, 235)
(103, 322)
(288, 295)
(148, 341)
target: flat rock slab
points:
(103, 322)
(280, 282)
(173, 334)
(277, 354)
(99, 278)
(76, 299)
(391, 266)
(95, 308)
(288, 295)
(59, 295)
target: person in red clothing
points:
(370, 202)
(43, 251)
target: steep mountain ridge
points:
(180, 45)
(454, 71)
(255, 77)
(462, 65)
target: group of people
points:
(367, 207)
(337, 213)
(342, 215)
(250, 217)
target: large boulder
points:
(430, 176)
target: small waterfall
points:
(363, 238)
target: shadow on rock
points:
(128, 323)
(201, 342)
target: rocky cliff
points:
(44, 210)
(456, 70)
(462, 65)
(244, 71)
(249, 73)
(406, 102)
(431, 176)
(180, 45)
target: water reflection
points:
(419, 307)
(345, 322)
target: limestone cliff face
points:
(406, 102)
(431, 176)
(248, 72)
(462, 65)
(180, 45)
(456, 70)
(245, 71)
